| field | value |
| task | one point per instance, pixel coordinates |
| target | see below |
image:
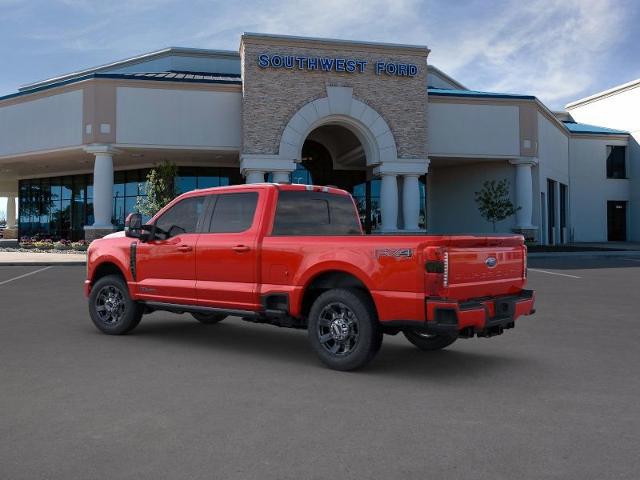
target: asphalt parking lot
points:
(557, 397)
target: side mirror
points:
(133, 225)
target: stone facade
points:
(271, 96)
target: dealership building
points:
(411, 144)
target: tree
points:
(160, 188)
(494, 203)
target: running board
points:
(179, 308)
(271, 316)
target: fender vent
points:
(133, 248)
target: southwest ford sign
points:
(331, 64)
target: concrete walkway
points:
(33, 258)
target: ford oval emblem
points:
(491, 262)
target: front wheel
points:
(427, 341)
(111, 308)
(343, 329)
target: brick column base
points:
(91, 234)
(10, 233)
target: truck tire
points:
(343, 329)
(111, 308)
(428, 342)
(208, 318)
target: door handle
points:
(240, 248)
(185, 248)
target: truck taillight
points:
(445, 276)
(524, 261)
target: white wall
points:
(553, 158)
(42, 124)
(452, 197)
(165, 117)
(462, 129)
(620, 111)
(590, 189)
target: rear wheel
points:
(427, 341)
(111, 308)
(208, 318)
(343, 329)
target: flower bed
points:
(48, 245)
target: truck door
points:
(227, 253)
(166, 267)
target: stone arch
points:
(340, 108)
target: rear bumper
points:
(482, 317)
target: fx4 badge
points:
(394, 252)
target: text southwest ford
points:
(296, 256)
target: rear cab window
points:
(315, 213)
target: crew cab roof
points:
(266, 185)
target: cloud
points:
(547, 48)
(555, 49)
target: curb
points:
(605, 254)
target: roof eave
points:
(603, 94)
(129, 61)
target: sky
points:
(558, 50)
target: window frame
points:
(608, 150)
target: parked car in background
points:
(295, 256)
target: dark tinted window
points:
(315, 213)
(616, 161)
(234, 212)
(182, 217)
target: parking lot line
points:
(25, 275)
(553, 273)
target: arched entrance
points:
(339, 140)
(333, 155)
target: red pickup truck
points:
(296, 256)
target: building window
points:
(616, 161)
(60, 207)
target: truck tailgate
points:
(475, 271)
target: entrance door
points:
(551, 211)
(617, 221)
(543, 218)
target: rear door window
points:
(315, 213)
(233, 212)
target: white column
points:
(11, 212)
(102, 185)
(254, 176)
(410, 201)
(389, 202)
(524, 192)
(281, 177)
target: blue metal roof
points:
(188, 77)
(575, 127)
(444, 92)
